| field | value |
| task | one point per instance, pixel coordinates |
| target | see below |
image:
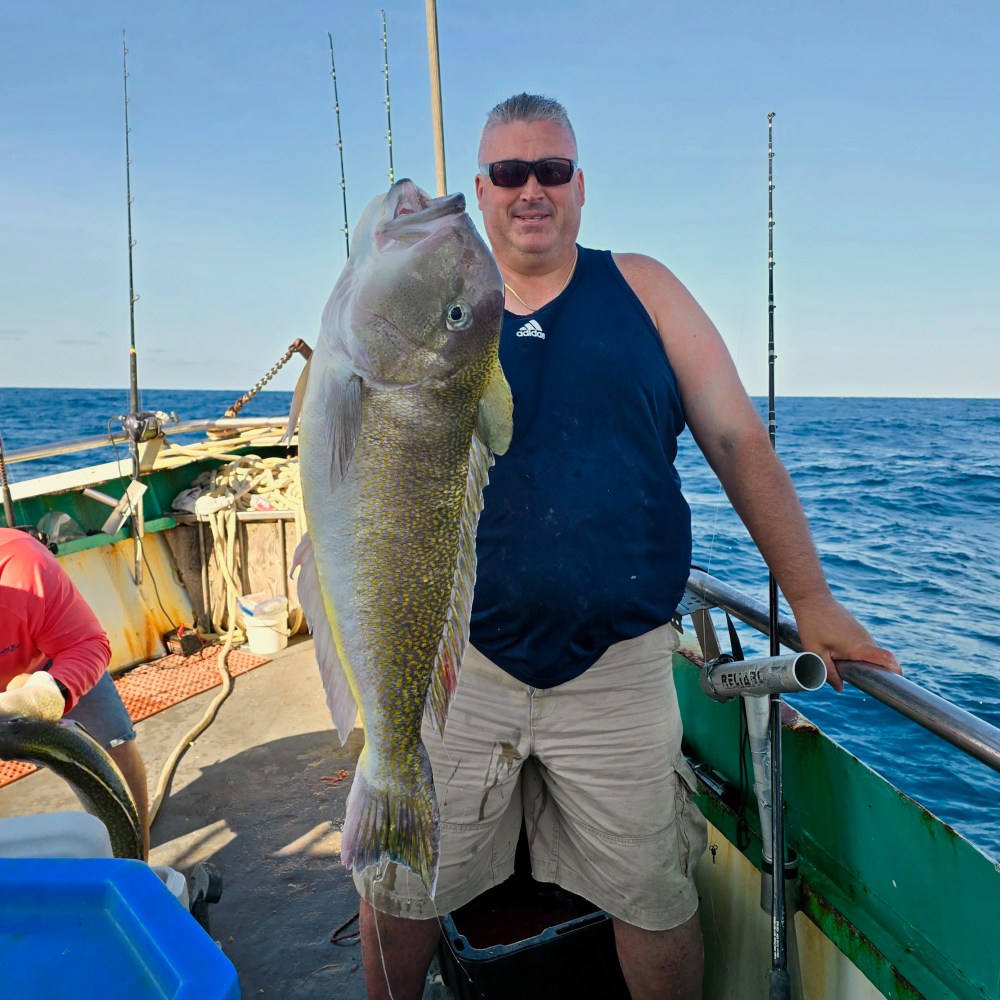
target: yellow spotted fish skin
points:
(400, 413)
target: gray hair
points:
(528, 108)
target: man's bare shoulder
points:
(642, 267)
(657, 287)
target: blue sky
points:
(886, 142)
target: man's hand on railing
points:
(828, 629)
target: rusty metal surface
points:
(135, 617)
(737, 935)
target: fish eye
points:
(458, 315)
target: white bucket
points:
(265, 620)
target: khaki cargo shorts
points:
(593, 767)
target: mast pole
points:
(437, 112)
(388, 113)
(340, 146)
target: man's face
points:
(530, 221)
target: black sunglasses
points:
(551, 171)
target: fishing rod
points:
(133, 380)
(388, 114)
(780, 983)
(340, 145)
(8, 500)
(133, 398)
(139, 426)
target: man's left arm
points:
(730, 433)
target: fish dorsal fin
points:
(494, 418)
(455, 637)
(339, 696)
(295, 409)
(342, 426)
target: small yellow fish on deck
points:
(400, 411)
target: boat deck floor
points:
(260, 795)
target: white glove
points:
(39, 698)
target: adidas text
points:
(531, 329)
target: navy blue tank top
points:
(585, 538)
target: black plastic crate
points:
(528, 940)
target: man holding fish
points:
(565, 716)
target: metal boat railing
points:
(117, 437)
(962, 729)
(938, 715)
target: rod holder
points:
(122, 508)
(725, 678)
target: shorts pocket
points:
(690, 825)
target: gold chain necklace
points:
(572, 270)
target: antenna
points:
(388, 113)
(340, 142)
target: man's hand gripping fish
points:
(400, 411)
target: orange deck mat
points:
(154, 686)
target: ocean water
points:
(902, 496)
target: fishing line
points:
(379, 875)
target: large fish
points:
(68, 749)
(400, 412)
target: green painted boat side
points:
(162, 486)
(907, 899)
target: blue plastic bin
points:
(103, 928)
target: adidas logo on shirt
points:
(531, 329)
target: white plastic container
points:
(265, 620)
(175, 882)
(70, 834)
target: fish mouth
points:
(414, 209)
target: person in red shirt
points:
(54, 657)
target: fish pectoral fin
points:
(295, 410)
(343, 421)
(455, 637)
(495, 415)
(339, 696)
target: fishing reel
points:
(143, 426)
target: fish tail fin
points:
(399, 822)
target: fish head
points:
(421, 297)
